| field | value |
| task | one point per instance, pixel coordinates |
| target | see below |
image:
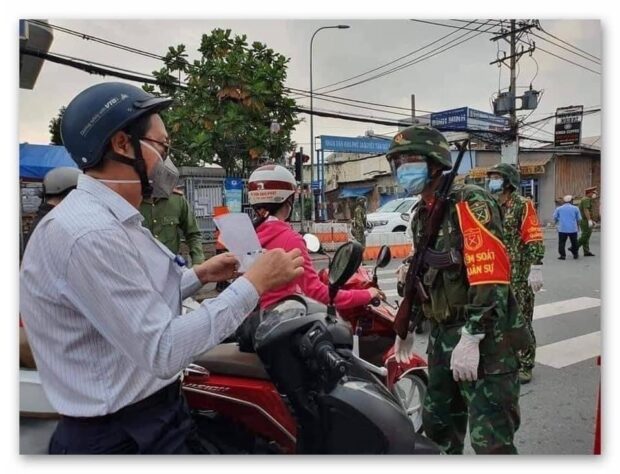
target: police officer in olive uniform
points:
(169, 218)
(358, 225)
(524, 240)
(476, 327)
(587, 222)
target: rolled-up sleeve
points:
(106, 282)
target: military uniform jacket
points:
(170, 218)
(476, 294)
(525, 246)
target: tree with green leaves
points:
(226, 102)
(54, 127)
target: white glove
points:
(535, 278)
(403, 348)
(590, 223)
(466, 357)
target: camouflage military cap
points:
(421, 140)
(509, 172)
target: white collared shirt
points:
(100, 299)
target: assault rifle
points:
(415, 293)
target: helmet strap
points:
(138, 164)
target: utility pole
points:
(507, 103)
(513, 83)
(413, 109)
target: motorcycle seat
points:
(226, 359)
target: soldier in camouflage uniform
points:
(587, 222)
(476, 327)
(524, 241)
(358, 225)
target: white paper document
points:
(239, 237)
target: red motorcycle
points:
(305, 389)
(373, 326)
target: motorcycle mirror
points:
(312, 243)
(346, 261)
(384, 257)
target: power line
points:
(442, 24)
(307, 94)
(568, 60)
(388, 63)
(362, 107)
(425, 56)
(565, 48)
(107, 71)
(154, 56)
(99, 40)
(566, 42)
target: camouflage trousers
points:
(584, 238)
(490, 404)
(359, 235)
(525, 299)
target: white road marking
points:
(570, 351)
(565, 306)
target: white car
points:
(393, 216)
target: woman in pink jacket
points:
(271, 192)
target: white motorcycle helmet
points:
(269, 188)
(271, 184)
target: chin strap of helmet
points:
(138, 164)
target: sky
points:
(461, 76)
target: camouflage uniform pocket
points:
(497, 354)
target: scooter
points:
(304, 390)
(373, 326)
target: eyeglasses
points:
(166, 145)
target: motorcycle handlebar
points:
(330, 359)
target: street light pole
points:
(340, 27)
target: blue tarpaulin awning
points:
(36, 160)
(355, 192)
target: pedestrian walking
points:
(523, 238)
(567, 218)
(587, 220)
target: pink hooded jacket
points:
(274, 234)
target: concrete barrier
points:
(332, 234)
(399, 243)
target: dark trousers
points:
(158, 424)
(574, 246)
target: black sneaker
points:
(588, 254)
(561, 258)
(576, 256)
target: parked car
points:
(393, 216)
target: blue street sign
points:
(372, 146)
(316, 185)
(467, 119)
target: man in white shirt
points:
(101, 298)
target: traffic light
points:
(299, 160)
